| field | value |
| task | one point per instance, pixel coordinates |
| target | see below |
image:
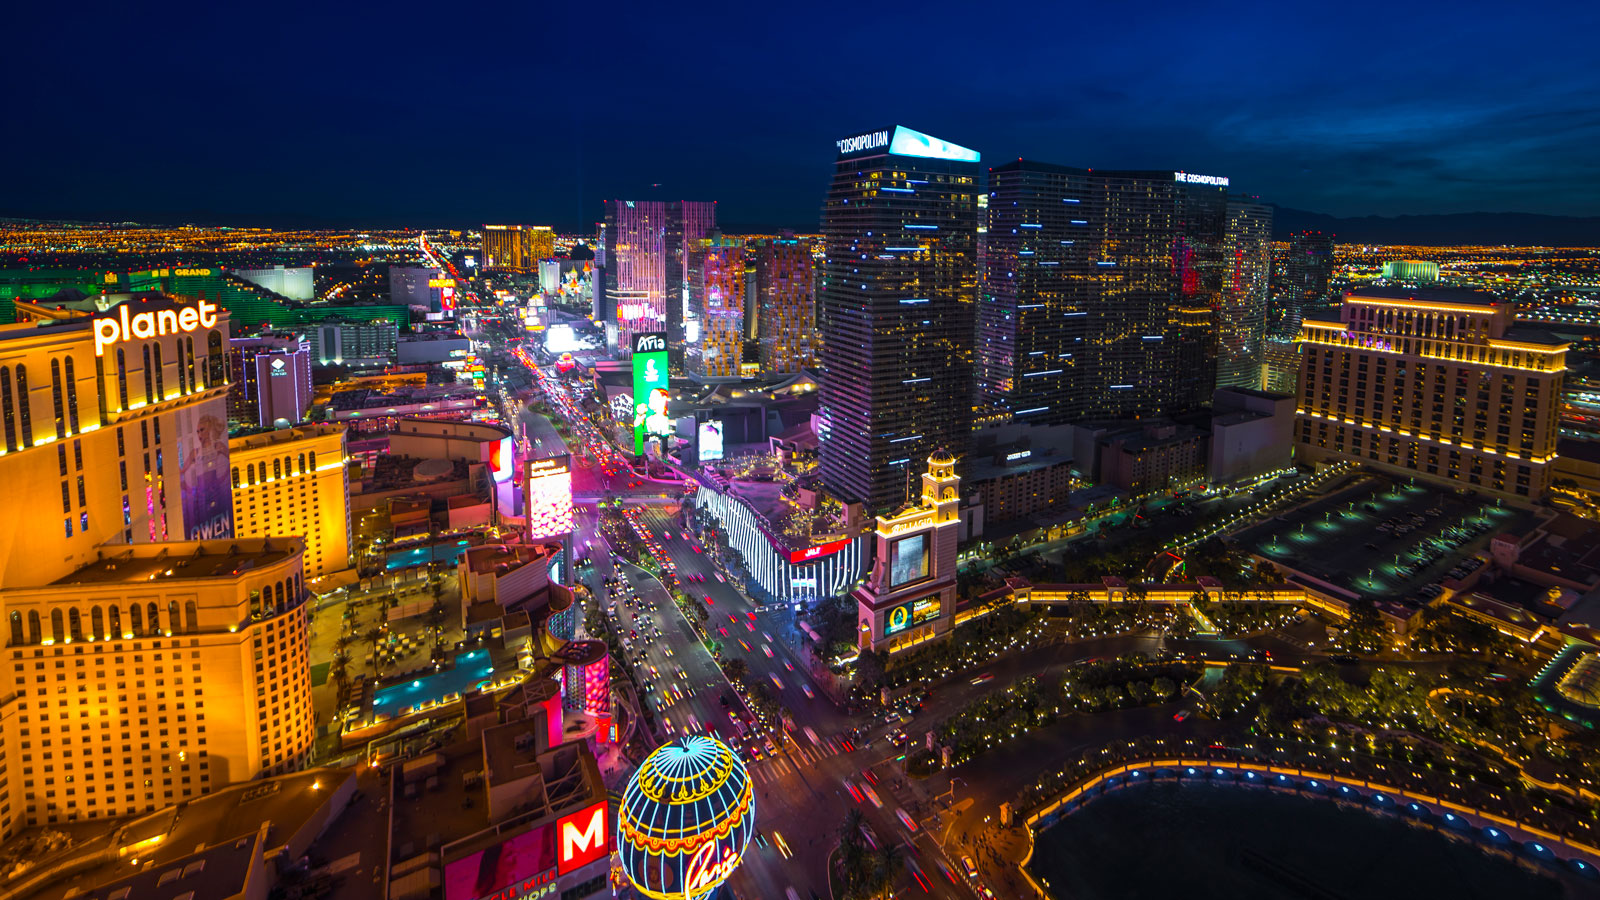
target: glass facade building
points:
(1103, 291)
(647, 244)
(897, 298)
(785, 306)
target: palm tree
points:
(886, 866)
(374, 638)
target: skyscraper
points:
(516, 248)
(899, 285)
(1241, 315)
(688, 223)
(714, 345)
(785, 304)
(646, 262)
(1308, 270)
(177, 651)
(1101, 291)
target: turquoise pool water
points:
(424, 554)
(471, 669)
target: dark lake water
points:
(1199, 841)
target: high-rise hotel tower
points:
(899, 286)
(1103, 291)
(1439, 383)
(149, 655)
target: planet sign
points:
(685, 819)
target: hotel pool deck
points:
(472, 669)
(447, 552)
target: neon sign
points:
(706, 870)
(871, 141)
(109, 329)
(1019, 455)
(580, 838)
(817, 552)
(1191, 178)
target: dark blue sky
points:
(466, 112)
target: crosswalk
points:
(787, 763)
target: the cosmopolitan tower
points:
(898, 293)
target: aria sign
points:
(124, 325)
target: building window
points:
(24, 414)
(56, 398)
(72, 397)
(161, 374)
(214, 361)
(149, 377)
(10, 412)
(122, 378)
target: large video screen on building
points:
(914, 613)
(549, 497)
(528, 859)
(649, 387)
(908, 560)
(710, 440)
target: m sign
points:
(581, 838)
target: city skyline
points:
(1324, 114)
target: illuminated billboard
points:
(908, 560)
(512, 868)
(818, 552)
(710, 440)
(908, 614)
(649, 387)
(549, 497)
(582, 838)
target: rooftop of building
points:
(1569, 549)
(485, 559)
(1432, 294)
(125, 563)
(285, 435)
(566, 779)
(399, 395)
(203, 845)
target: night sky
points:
(461, 113)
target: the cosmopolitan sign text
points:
(1191, 178)
(870, 141)
(126, 325)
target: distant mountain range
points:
(1445, 230)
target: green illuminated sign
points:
(649, 387)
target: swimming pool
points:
(472, 669)
(426, 553)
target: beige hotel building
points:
(1441, 383)
(150, 654)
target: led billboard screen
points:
(908, 560)
(528, 859)
(914, 613)
(710, 440)
(649, 387)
